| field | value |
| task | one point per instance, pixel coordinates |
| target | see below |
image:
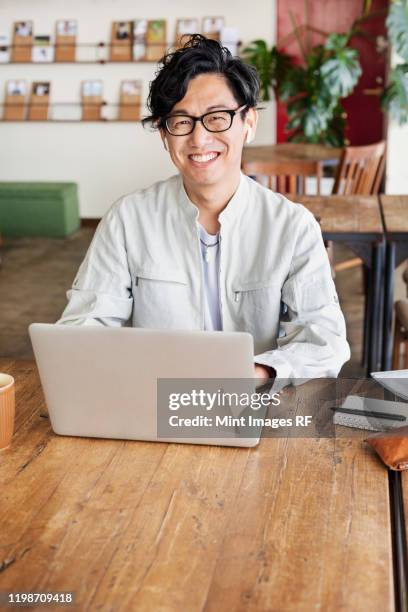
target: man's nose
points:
(200, 136)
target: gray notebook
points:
(372, 414)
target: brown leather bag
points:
(392, 447)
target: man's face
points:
(208, 158)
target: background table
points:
(395, 214)
(288, 151)
(356, 221)
(294, 524)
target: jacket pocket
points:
(315, 295)
(257, 294)
(257, 306)
(161, 275)
(161, 298)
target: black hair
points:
(199, 55)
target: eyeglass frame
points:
(231, 113)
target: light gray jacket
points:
(143, 268)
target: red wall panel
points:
(365, 118)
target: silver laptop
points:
(103, 382)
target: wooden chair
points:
(360, 173)
(360, 170)
(285, 176)
(288, 177)
(400, 334)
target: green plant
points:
(313, 92)
(272, 66)
(395, 96)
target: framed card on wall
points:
(65, 40)
(22, 41)
(212, 27)
(121, 41)
(38, 107)
(42, 50)
(91, 100)
(184, 28)
(4, 49)
(139, 39)
(156, 39)
(130, 100)
(15, 100)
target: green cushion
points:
(39, 209)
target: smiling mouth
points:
(204, 158)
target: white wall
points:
(110, 159)
(397, 166)
(397, 154)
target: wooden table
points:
(395, 215)
(356, 221)
(399, 505)
(293, 525)
(404, 480)
(288, 151)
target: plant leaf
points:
(271, 65)
(395, 97)
(397, 25)
(342, 71)
(336, 42)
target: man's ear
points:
(164, 139)
(250, 123)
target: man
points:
(210, 248)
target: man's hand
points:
(264, 372)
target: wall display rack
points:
(100, 53)
(18, 106)
(134, 41)
(60, 112)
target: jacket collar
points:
(231, 211)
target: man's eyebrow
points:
(183, 111)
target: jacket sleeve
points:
(101, 293)
(312, 336)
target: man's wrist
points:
(270, 371)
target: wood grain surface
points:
(395, 211)
(404, 482)
(289, 151)
(291, 525)
(359, 215)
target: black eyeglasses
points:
(215, 121)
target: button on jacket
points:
(143, 269)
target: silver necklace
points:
(208, 246)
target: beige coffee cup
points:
(7, 409)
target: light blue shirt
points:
(211, 268)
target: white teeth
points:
(203, 158)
